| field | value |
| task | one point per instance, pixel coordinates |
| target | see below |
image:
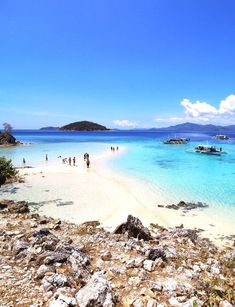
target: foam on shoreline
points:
(78, 194)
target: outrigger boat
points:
(221, 137)
(176, 141)
(209, 150)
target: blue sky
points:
(123, 63)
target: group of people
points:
(113, 148)
(72, 161)
(69, 161)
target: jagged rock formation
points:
(48, 262)
(7, 139)
(134, 228)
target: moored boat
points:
(176, 141)
(209, 150)
(221, 137)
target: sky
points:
(121, 63)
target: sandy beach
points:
(78, 194)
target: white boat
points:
(209, 150)
(221, 137)
(176, 141)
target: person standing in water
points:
(70, 160)
(88, 162)
(74, 161)
(23, 160)
(46, 157)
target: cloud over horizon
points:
(124, 123)
(204, 111)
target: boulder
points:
(96, 293)
(7, 139)
(57, 280)
(134, 228)
(17, 207)
(54, 257)
(149, 265)
(20, 248)
(43, 269)
(41, 233)
(155, 253)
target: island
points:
(192, 127)
(6, 139)
(50, 128)
(84, 126)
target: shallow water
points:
(171, 168)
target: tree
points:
(7, 127)
(7, 170)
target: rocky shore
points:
(49, 262)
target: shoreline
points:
(78, 194)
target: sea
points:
(173, 169)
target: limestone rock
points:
(41, 233)
(149, 265)
(96, 292)
(43, 269)
(18, 207)
(134, 228)
(63, 301)
(155, 253)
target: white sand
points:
(78, 194)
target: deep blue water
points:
(172, 168)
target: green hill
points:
(84, 126)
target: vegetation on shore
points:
(7, 170)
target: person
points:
(23, 160)
(86, 156)
(74, 161)
(46, 157)
(117, 148)
(70, 160)
(87, 162)
(111, 148)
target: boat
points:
(221, 137)
(176, 141)
(209, 150)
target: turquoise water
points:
(188, 176)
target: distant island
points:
(50, 128)
(78, 126)
(191, 127)
(84, 126)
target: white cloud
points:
(203, 111)
(124, 123)
(200, 110)
(227, 105)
